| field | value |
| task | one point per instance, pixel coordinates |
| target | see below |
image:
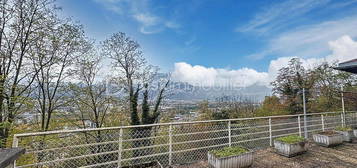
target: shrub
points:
(291, 139)
(229, 151)
(340, 128)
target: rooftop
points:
(348, 66)
(185, 143)
(342, 156)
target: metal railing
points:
(167, 143)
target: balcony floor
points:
(342, 156)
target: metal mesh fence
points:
(168, 144)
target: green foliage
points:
(341, 128)
(205, 113)
(229, 151)
(322, 89)
(290, 82)
(272, 106)
(291, 139)
(223, 114)
(5, 124)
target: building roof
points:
(348, 66)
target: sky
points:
(214, 42)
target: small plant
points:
(229, 151)
(346, 132)
(341, 128)
(291, 139)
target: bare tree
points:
(89, 95)
(135, 75)
(91, 103)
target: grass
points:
(340, 128)
(229, 151)
(291, 139)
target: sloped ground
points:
(343, 156)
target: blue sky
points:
(246, 39)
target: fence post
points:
(229, 133)
(342, 123)
(170, 145)
(323, 122)
(299, 122)
(15, 144)
(343, 114)
(305, 116)
(270, 133)
(120, 146)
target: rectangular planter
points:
(289, 150)
(239, 161)
(153, 164)
(347, 135)
(328, 140)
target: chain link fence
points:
(168, 143)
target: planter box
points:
(328, 140)
(289, 150)
(153, 164)
(239, 161)
(346, 135)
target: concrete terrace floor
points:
(342, 156)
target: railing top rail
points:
(162, 124)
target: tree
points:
(290, 82)
(91, 103)
(237, 106)
(322, 84)
(135, 75)
(53, 58)
(205, 113)
(20, 22)
(272, 106)
(89, 95)
(328, 84)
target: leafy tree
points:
(20, 24)
(290, 82)
(322, 83)
(52, 59)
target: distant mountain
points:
(185, 91)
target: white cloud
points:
(140, 11)
(146, 19)
(203, 76)
(309, 41)
(342, 49)
(149, 24)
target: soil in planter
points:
(329, 133)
